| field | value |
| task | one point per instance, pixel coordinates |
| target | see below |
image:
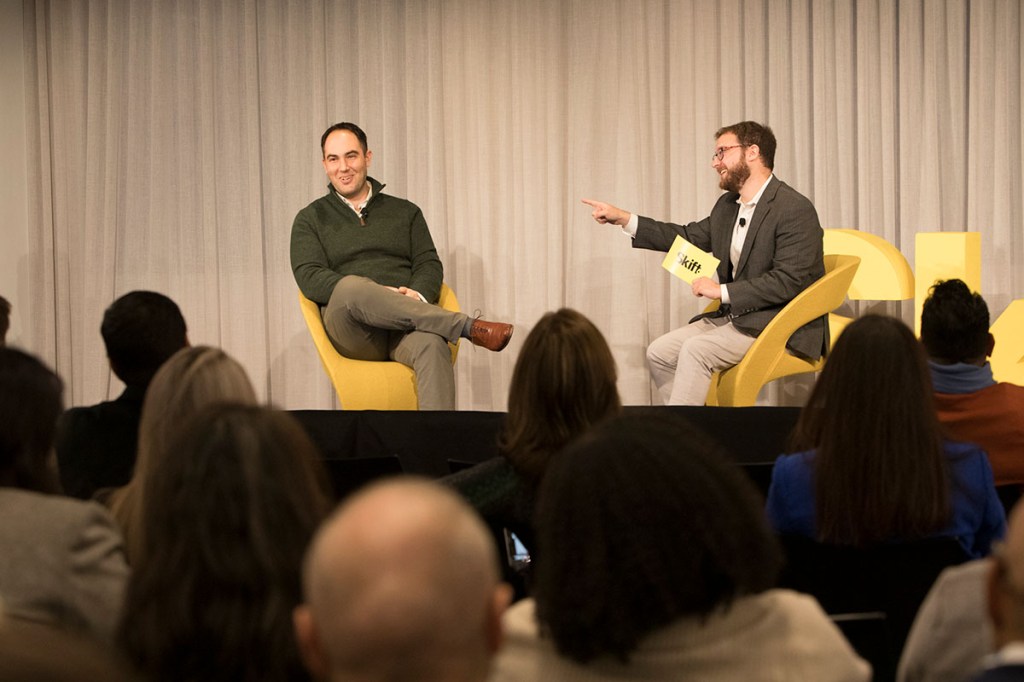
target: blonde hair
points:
(191, 380)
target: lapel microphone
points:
(743, 222)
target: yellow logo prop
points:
(885, 275)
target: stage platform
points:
(360, 445)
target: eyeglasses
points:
(720, 152)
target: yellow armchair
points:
(768, 359)
(365, 384)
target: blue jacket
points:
(977, 516)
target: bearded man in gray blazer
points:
(768, 240)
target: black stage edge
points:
(424, 442)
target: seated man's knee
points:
(426, 347)
(349, 290)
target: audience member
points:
(656, 563)
(35, 653)
(875, 467)
(401, 584)
(5, 319)
(951, 633)
(96, 445)
(563, 383)
(971, 404)
(61, 561)
(1006, 605)
(191, 380)
(224, 527)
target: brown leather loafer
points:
(490, 335)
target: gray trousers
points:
(683, 360)
(367, 321)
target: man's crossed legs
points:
(367, 321)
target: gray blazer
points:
(61, 562)
(782, 256)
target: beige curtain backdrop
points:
(172, 142)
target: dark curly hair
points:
(642, 521)
(225, 526)
(954, 323)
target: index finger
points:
(591, 202)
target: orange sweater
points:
(994, 419)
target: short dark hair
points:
(750, 133)
(141, 330)
(344, 125)
(30, 404)
(954, 323)
(212, 595)
(640, 522)
(563, 383)
(5, 319)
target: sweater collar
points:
(960, 377)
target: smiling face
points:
(732, 168)
(346, 162)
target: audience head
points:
(954, 324)
(401, 583)
(194, 378)
(5, 319)
(563, 383)
(642, 521)
(1006, 583)
(227, 520)
(880, 471)
(141, 330)
(30, 403)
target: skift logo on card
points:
(687, 262)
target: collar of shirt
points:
(960, 377)
(739, 229)
(358, 209)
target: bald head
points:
(402, 582)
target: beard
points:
(734, 177)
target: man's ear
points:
(500, 600)
(310, 649)
(990, 346)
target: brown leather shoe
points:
(491, 335)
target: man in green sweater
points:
(368, 260)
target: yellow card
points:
(687, 262)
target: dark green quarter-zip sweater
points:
(390, 244)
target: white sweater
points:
(777, 635)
